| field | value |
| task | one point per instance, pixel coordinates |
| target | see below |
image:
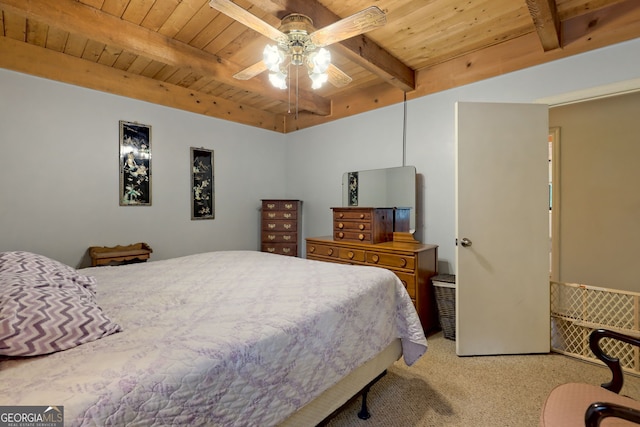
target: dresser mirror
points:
(390, 187)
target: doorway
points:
(582, 97)
(595, 229)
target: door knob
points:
(466, 242)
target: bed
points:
(224, 338)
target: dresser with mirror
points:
(375, 227)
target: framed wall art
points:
(353, 188)
(135, 164)
(202, 184)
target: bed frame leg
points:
(364, 411)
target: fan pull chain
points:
(297, 91)
(289, 86)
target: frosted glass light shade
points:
(321, 61)
(278, 79)
(318, 79)
(272, 57)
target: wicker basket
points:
(444, 286)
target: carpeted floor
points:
(442, 389)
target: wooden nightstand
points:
(102, 255)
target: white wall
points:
(320, 155)
(59, 174)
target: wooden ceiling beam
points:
(77, 18)
(39, 61)
(361, 50)
(546, 21)
(573, 9)
(608, 23)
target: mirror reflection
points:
(382, 188)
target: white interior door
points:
(502, 273)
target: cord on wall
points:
(404, 131)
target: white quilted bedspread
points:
(237, 338)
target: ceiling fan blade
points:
(337, 77)
(251, 71)
(358, 23)
(245, 17)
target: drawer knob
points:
(341, 215)
(271, 249)
(286, 250)
(375, 258)
(286, 237)
(350, 255)
(361, 226)
(312, 249)
(271, 237)
(271, 205)
(287, 226)
(288, 206)
(341, 234)
(330, 251)
(361, 216)
(403, 262)
(340, 225)
(271, 226)
(361, 236)
(271, 215)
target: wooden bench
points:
(103, 255)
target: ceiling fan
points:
(298, 43)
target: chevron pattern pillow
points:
(44, 268)
(47, 307)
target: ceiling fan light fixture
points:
(316, 61)
(297, 50)
(299, 43)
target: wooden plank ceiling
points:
(184, 53)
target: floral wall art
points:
(135, 164)
(202, 180)
(353, 188)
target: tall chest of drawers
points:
(413, 262)
(280, 226)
